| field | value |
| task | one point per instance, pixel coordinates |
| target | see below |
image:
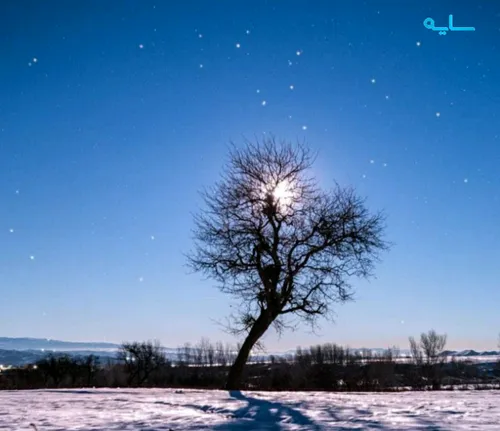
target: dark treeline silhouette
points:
(327, 367)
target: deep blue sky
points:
(114, 114)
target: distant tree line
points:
(327, 367)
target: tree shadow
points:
(259, 414)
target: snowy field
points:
(155, 409)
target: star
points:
(11, 230)
(418, 43)
(466, 180)
(438, 114)
(304, 127)
(152, 237)
(291, 87)
(32, 257)
(141, 46)
(373, 81)
(264, 103)
(238, 45)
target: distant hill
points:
(22, 351)
(48, 344)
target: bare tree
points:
(278, 243)
(55, 367)
(141, 360)
(220, 356)
(90, 366)
(432, 345)
(429, 349)
(428, 355)
(199, 354)
(416, 353)
(188, 353)
(210, 354)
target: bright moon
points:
(282, 192)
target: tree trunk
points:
(235, 373)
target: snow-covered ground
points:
(165, 409)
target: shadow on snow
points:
(265, 415)
(260, 414)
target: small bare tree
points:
(416, 353)
(220, 355)
(433, 345)
(90, 366)
(141, 360)
(278, 243)
(188, 354)
(210, 354)
(428, 355)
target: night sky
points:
(115, 114)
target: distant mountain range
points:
(48, 344)
(469, 353)
(21, 351)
